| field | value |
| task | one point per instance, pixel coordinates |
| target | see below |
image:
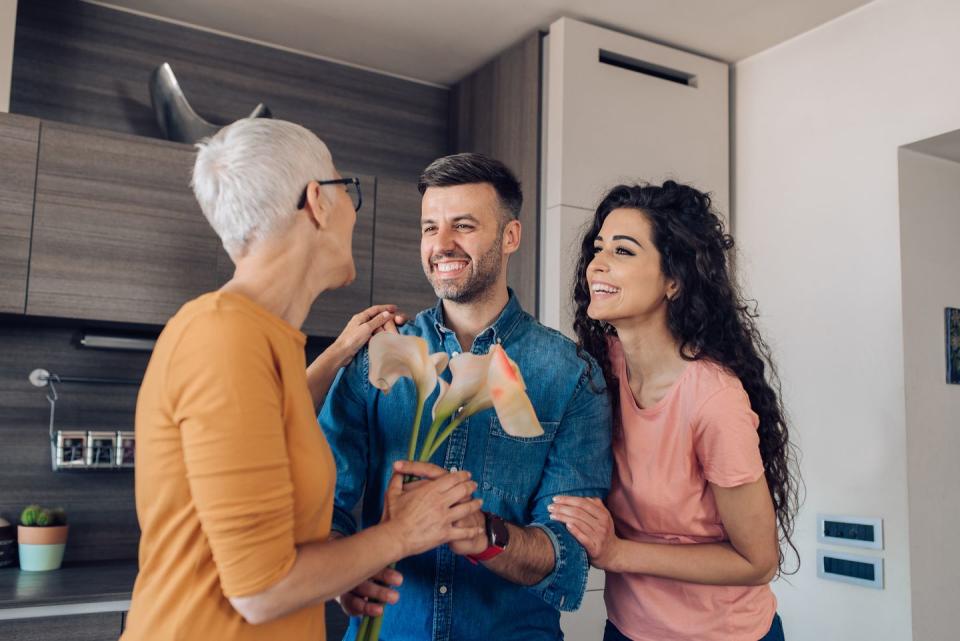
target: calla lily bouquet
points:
(478, 382)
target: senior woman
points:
(234, 482)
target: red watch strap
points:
(486, 555)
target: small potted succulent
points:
(42, 537)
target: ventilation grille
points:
(647, 68)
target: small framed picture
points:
(952, 330)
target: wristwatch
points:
(498, 537)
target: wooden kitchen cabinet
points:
(19, 137)
(72, 627)
(118, 235)
(117, 232)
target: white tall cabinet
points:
(619, 109)
(615, 109)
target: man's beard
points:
(483, 274)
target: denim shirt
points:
(444, 597)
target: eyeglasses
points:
(355, 193)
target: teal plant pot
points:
(40, 558)
(41, 548)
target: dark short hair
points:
(471, 168)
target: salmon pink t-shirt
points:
(702, 431)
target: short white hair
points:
(249, 177)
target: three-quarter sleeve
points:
(726, 440)
(227, 401)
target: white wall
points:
(8, 22)
(930, 234)
(818, 121)
(605, 125)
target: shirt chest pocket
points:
(513, 466)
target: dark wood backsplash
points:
(99, 504)
(89, 65)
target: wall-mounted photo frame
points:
(952, 331)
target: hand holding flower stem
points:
(478, 382)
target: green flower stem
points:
(415, 430)
(374, 634)
(370, 626)
(427, 454)
(432, 433)
(363, 634)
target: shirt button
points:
(443, 589)
(454, 353)
(454, 468)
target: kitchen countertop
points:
(76, 583)
(103, 586)
(79, 588)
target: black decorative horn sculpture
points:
(177, 119)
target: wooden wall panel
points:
(100, 505)
(496, 111)
(399, 274)
(332, 310)
(89, 65)
(18, 168)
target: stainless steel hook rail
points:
(43, 378)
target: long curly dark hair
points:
(708, 317)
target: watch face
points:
(497, 532)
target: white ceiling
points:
(440, 41)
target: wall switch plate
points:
(866, 571)
(856, 531)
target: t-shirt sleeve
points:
(726, 439)
(228, 404)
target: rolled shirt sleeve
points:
(579, 464)
(228, 407)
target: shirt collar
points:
(498, 331)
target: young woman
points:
(689, 533)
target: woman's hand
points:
(428, 471)
(360, 328)
(367, 599)
(590, 523)
(423, 514)
(322, 371)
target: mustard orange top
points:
(232, 472)
(703, 431)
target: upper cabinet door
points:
(333, 309)
(117, 234)
(18, 167)
(397, 272)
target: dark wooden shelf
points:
(76, 583)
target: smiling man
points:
(512, 582)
